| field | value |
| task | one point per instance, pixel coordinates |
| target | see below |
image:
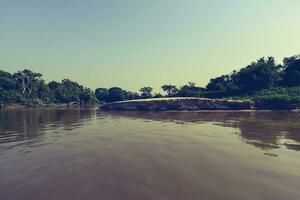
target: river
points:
(76, 154)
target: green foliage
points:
(269, 85)
(171, 90)
(277, 102)
(68, 91)
(291, 76)
(87, 96)
(116, 94)
(262, 74)
(28, 88)
(11, 96)
(102, 94)
(146, 92)
(157, 95)
(7, 82)
(190, 90)
(275, 98)
(131, 95)
(27, 82)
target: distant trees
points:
(262, 74)
(146, 92)
(131, 95)
(102, 94)
(190, 90)
(27, 82)
(28, 87)
(7, 82)
(157, 95)
(171, 90)
(68, 91)
(87, 96)
(44, 93)
(220, 84)
(116, 94)
(291, 73)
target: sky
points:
(137, 43)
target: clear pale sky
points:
(135, 43)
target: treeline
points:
(28, 88)
(262, 75)
(263, 81)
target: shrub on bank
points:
(277, 102)
(278, 98)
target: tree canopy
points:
(28, 87)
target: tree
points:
(259, 75)
(28, 87)
(44, 93)
(131, 95)
(291, 74)
(87, 96)
(7, 81)
(116, 94)
(190, 90)
(262, 74)
(102, 94)
(53, 85)
(67, 91)
(146, 92)
(171, 90)
(27, 82)
(157, 95)
(218, 84)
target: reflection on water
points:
(89, 154)
(264, 130)
(24, 125)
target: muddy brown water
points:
(76, 154)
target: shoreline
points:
(188, 104)
(45, 106)
(206, 111)
(179, 103)
(63, 106)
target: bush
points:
(11, 96)
(277, 102)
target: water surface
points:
(59, 154)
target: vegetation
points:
(28, 88)
(268, 84)
(275, 98)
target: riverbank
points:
(179, 103)
(64, 105)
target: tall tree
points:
(102, 94)
(7, 82)
(146, 92)
(87, 96)
(263, 74)
(116, 94)
(171, 90)
(190, 90)
(291, 74)
(27, 81)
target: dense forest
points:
(268, 84)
